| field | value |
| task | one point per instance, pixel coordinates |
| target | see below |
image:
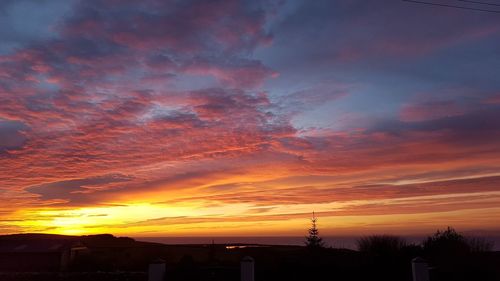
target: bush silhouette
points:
(479, 245)
(381, 244)
(447, 242)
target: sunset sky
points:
(201, 118)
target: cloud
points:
(365, 33)
(263, 194)
(165, 99)
(75, 188)
(11, 135)
(494, 99)
(80, 93)
(430, 110)
(25, 22)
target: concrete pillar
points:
(157, 270)
(420, 269)
(247, 269)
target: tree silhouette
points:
(313, 240)
(450, 242)
(447, 242)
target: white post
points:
(247, 269)
(420, 269)
(157, 270)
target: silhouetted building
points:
(38, 255)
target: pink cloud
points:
(430, 110)
(494, 99)
(101, 133)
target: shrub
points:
(450, 242)
(381, 244)
(479, 244)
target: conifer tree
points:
(313, 240)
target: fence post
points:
(157, 270)
(420, 269)
(247, 269)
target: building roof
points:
(33, 247)
(37, 245)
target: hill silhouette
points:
(106, 257)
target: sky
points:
(241, 118)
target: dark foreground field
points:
(104, 257)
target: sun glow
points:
(240, 219)
(95, 220)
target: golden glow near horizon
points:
(239, 219)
